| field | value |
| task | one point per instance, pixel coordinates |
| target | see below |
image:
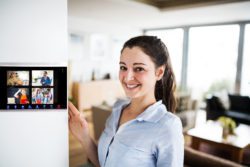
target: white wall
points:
(82, 52)
(84, 24)
(33, 32)
(84, 58)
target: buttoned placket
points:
(117, 132)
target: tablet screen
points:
(33, 88)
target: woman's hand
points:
(77, 124)
(79, 128)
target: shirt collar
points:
(153, 113)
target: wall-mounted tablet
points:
(33, 87)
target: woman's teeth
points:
(132, 86)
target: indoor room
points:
(120, 83)
(207, 44)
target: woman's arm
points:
(79, 128)
(170, 145)
(16, 94)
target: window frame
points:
(186, 28)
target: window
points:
(212, 59)
(245, 81)
(173, 38)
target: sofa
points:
(238, 108)
(195, 158)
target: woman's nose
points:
(130, 75)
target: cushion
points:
(240, 103)
(224, 99)
(217, 104)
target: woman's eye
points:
(122, 68)
(139, 69)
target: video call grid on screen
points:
(33, 88)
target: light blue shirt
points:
(153, 138)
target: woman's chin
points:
(132, 95)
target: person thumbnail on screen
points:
(42, 77)
(42, 96)
(18, 96)
(17, 78)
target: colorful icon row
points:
(9, 107)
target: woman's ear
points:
(160, 72)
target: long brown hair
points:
(158, 52)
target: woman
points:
(21, 94)
(141, 131)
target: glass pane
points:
(245, 81)
(212, 59)
(173, 39)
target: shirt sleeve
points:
(170, 145)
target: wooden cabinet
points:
(93, 93)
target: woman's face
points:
(138, 74)
(23, 91)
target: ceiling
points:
(129, 15)
(166, 4)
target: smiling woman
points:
(137, 73)
(141, 131)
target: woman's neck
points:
(138, 105)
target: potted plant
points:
(228, 125)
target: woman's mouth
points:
(132, 86)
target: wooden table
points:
(211, 134)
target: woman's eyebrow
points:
(122, 63)
(139, 64)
